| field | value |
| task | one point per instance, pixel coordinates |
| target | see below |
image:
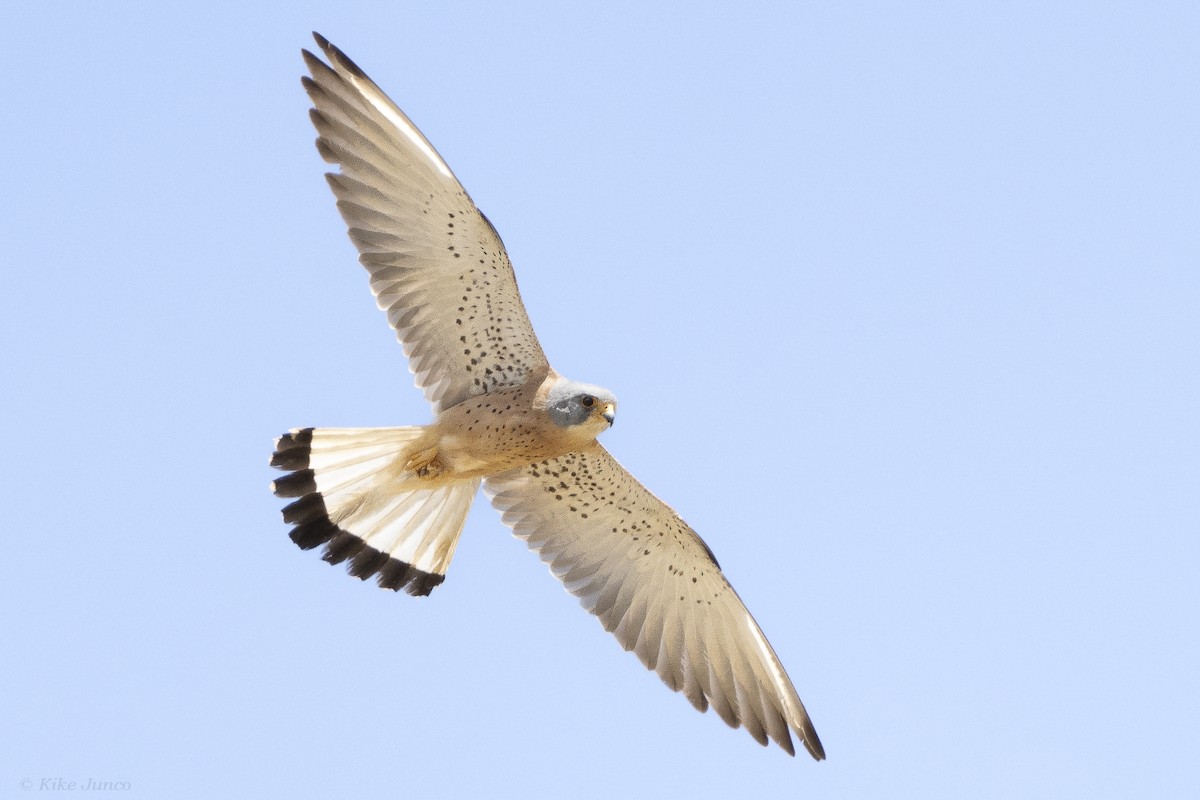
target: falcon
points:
(391, 502)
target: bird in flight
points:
(392, 501)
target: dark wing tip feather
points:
(326, 152)
(334, 54)
(812, 742)
(315, 65)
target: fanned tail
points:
(354, 498)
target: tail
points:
(351, 499)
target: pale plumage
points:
(392, 501)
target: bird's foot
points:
(425, 463)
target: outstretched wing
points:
(438, 267)
(655, 585)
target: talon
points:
(425, 463)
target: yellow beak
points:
(610, 413)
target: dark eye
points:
(588, 400)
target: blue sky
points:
(901, 301)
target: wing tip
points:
(812, 743)
(337, 58)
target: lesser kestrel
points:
(392, 501)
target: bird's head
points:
(581, 406)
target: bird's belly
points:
(497, 447)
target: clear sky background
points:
(901, 301)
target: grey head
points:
(570, 403)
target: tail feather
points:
(354, 497)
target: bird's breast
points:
(496, 432)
